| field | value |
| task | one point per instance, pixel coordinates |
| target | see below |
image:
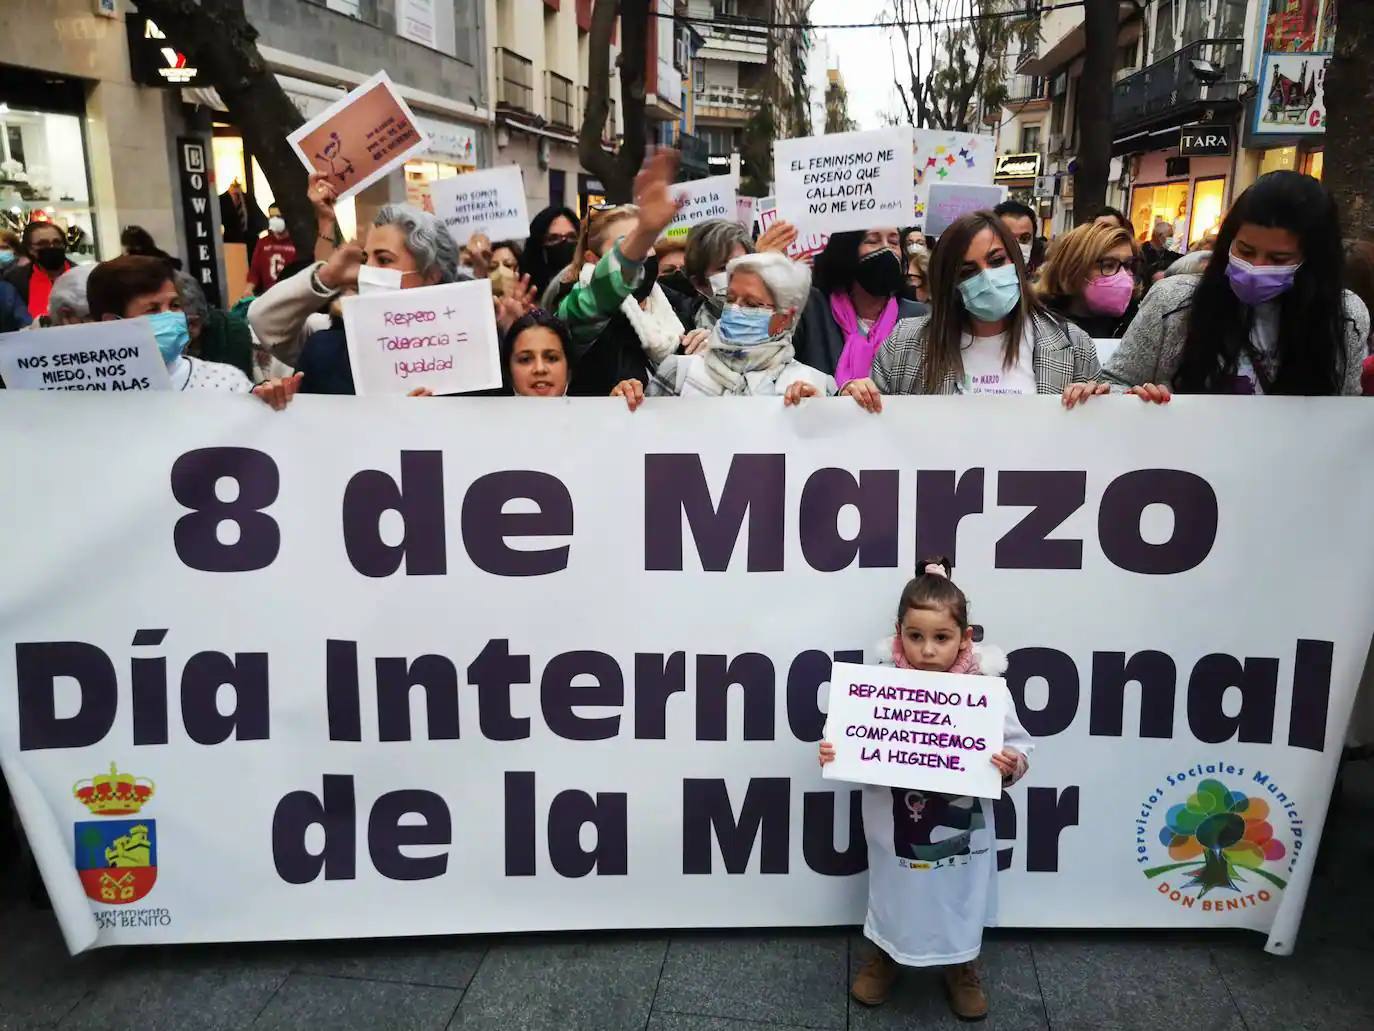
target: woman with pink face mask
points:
(1090, 279)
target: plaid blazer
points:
(1063, 354)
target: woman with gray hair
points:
(405, 248)
(749, 351)
(216, 335)
(67, 301)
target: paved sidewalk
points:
(720, 981)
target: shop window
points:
(1279, 159)
(1209, 206)
(43, 175)
(1030, 138)
(1167, 202)
(1313, 162)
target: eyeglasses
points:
(1111, 266)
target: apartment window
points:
(1194, 21)
(1030, 138)
(514, 80)
(1126, 55)
(1164, 30)
(363, 10)
(698, 76)
(1057, 113)
(1231, 19)
(560, 100)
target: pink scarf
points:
(856, 360)
(965, 662)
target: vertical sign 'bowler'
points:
(195, 213)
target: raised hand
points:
(323, 197)
(514, 305)
(652, 194)
(478, 249)
(777, 237)
(341, 270)
(695, 340)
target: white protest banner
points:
(491, 201)
(440, 337)
(403, 667)
(906, 728)
(121, 354)
(360, 137)
(702, 199)
(950, 157)
(948, 201)
(845, 180)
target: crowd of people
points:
(605, 305)
(613, 307)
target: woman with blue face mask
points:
(986, 332)
(749, 350)
(139, 287)
(1267, 316)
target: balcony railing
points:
(1171, 83)
(560, 100)
(514, 80)
(733, 97)
(1023, 89)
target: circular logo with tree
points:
(1221, 845)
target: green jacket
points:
(226, 338)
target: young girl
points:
(932, 865)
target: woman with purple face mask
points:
(1268, 316)
(1089, 279)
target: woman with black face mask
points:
(46, 245)
(856, 301)
(551, 247)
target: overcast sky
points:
(864, 57)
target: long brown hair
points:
(948, 317)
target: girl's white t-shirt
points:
(983, 371)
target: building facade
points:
(1207, 95)
(752, 55)
(100, 113)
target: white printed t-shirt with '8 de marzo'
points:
(983, 366)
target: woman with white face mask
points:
(986, 332)
(404, 248)
(749, 351)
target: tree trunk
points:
(1094, 115)
(615, 170)
(1349, 169)
(218, 39)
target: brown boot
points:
(873, 983)
(965, 989)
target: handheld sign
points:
(950, 157)
(491, 202)
(744, 212)
(109, 356)
(440, 337)
(906, 728)
(360, 137)
(703, 199)
(948, 201)
(845, 180)
(806, 245)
